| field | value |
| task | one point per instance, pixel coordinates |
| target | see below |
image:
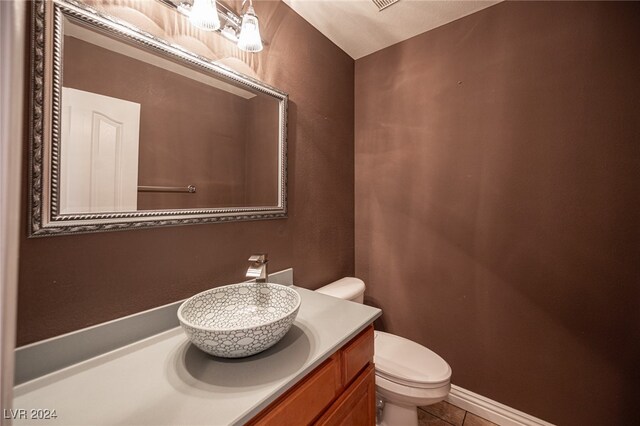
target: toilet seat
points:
(407, 363)
(410, 395)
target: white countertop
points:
(164, 380)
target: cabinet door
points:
(356, 406)
(357, 355)
(306, 401)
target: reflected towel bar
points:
(190, 189)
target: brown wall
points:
(69, 282)
(498, 203)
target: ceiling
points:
(359, 29)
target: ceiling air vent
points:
(383, 4)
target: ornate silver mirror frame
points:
(44, 174)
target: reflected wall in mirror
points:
(136, 132)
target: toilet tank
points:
(347, 288)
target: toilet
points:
(408, 375)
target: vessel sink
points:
(239, 320)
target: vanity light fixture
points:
(184, 7)
(249, 39)
(204, 15)
(209, 15)
(229, 33)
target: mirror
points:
(136, 132)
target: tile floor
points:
(445, 414)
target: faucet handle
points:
(260, 258)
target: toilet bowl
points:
(408, 374)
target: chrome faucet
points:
(258, 268)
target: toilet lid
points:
(406, 362)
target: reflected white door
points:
(99, 153)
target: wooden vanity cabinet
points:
(356, 406)
(341, 391)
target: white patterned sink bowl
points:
(239, 320)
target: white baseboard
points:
(491, 410)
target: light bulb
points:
(250, 40)
(204, 15)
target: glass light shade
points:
(250, 40)
(204, 15)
